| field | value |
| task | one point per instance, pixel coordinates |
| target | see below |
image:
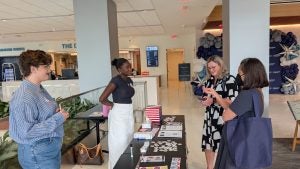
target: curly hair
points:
(33, 58)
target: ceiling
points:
(281, 13)
(46, 20)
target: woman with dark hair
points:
(220, 90)
(253, 76)
(35, 121)
(120, 118)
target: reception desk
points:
(152, 83)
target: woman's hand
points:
(63, 113)
(207, 101)
(210, 91)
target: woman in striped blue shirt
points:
(35, 121)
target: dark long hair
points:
(255, 75)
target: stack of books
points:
(154, 113)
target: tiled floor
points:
(182, 101)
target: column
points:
(96, 41)
(246, 33)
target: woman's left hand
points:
(210, 91)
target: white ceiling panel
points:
(42, 20)
(25, 8)
(66, 4)
(133, 19)
(123, 6)
(122, 22)
(46, 7)
(150, 17)
(143, 29)
(157, 29)
(141, 4)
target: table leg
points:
(97, 132)
(295, 136)
(98, 135)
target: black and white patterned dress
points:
(213, 122)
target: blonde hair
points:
(218, 60)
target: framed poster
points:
(152, 56)
(184, 72)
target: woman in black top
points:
(120, 118)
(253, 75)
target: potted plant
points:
(8, 152)
(4, 113)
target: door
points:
(174, 57)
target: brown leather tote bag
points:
(89, 156)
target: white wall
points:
(187, 42)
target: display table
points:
(128, 162)
(295, 109)
(97, 119)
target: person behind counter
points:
(120, 118)
(35, 121)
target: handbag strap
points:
(86, 149)
(256, 103)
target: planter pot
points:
(4, 123)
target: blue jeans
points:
(43, 154)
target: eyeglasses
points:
(210, 68)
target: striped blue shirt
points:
(33, 115)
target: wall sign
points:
(152, 56)
(69, 45)
(184, 72)
(12, 49)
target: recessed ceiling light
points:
(3, 20)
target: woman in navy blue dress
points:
(253, 76)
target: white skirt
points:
(120, 131)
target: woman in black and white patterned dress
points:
(224, 89)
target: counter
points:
(152, 87)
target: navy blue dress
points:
(243, 107)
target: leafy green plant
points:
(8, 149)
(76, 105)
(4, 109)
